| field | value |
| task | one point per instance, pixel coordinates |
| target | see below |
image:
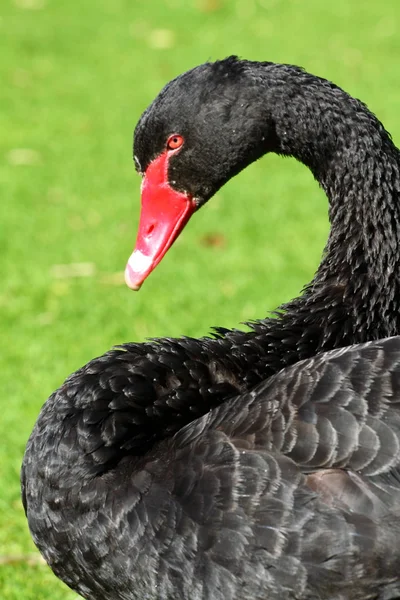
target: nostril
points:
(150, 229)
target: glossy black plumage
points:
(186, 468)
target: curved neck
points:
(355, 293)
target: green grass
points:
(75, 77)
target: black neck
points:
(355, 294)
(364, 241)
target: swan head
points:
(203, 128)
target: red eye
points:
(174, 141)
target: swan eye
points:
(175, 141)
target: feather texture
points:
(253, 465)
(291, 490)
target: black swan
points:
(193, 469)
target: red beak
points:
(164, 214)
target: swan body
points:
(251, 465)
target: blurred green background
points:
(76, 76)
